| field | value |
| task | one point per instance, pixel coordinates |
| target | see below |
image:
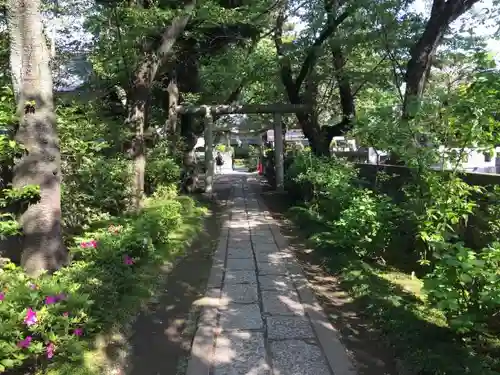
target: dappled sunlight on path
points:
(259, 316)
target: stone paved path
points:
(259, 316)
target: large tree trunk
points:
(443, 13)
(43, 248)
(139, 94)
(14, 24)
(293, 88)
(187, 72)
(346, 98)
(171, 129)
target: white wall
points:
(475, 160)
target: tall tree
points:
(141, 89)
(443, 13)
(294, 87)
(43, 248)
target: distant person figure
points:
(219, 162)
(231, 153)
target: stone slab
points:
(234, 264)
(279, 283)
(240, 277)
(239, 242)
(201, 352)
(241, 317)
(216, 275)
(272, 257)
(238, 233)
(279, 303)
(240, 353)
(264, 230)
(238, 225)
(263, 240)
(241, 253)
(271, 268)
(289, 327)
(296, 357)
(265, 247)
(240, 293)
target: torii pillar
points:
(209, 153)
(278, 152)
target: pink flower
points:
(2, 296)
(50, 348)
(78, 332)
(128, 260)
(86, 244)
(49, 300)
(23, 344)
(30, 318)
(65, 314)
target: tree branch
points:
(310, 59)
(369, 73)
(285, 68)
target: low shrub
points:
(161, 171)
(421, 231)
(253, 158)
(465, 285)
(49, 320)
(95, 188)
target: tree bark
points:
(346, 98)
(43, 247)
(171, 123)
(443, 13)
(139, 95)
(14, 23)
(307, 121)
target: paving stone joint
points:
(264, 319)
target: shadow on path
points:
(358, 335)
(162, 335)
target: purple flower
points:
(78, 332)
(23, 344)
(61, 297)
(50, 348)
(128, 260)
(50, 300)
(2, 296)
(30, 318)
(33, 286)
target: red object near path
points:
(259, 168)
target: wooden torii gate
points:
(209, 111)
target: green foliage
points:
(116, 270)
(465, 285)
(60, 314)
(12, 200)
(161, 168)
(95, 188)
(361, 221)
(253, 158)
